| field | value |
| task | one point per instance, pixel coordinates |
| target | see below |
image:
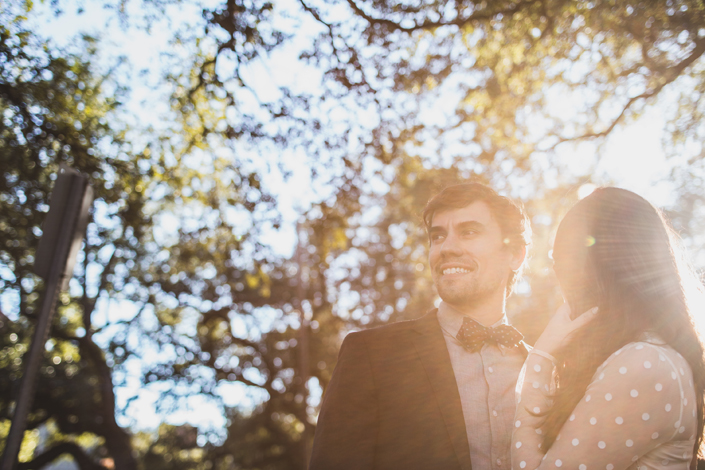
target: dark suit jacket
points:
(393, 403)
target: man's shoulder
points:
(391, 331)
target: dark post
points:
(63, 231)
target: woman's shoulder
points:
(650, 356)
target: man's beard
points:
(467, 294)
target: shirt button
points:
(494, 412)
(490, 369)
(498, 462)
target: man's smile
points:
(449, 269)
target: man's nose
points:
(451, 246)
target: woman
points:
(627, 391)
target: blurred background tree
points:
(197, 280)
(53, 111)
(56, 109)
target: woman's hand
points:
(560, 327)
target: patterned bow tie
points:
(472, 335)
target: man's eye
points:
(436, 237)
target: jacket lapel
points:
(433, 353)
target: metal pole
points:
(54, 260)
(29, 376)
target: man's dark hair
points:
(515, 225)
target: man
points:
(437, 392)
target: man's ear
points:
(518, 257)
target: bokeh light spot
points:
(586, 190)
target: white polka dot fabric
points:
(637, 413)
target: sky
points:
(632, 158)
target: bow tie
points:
(472, 335)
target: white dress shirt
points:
(486, 380)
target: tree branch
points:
(79, 456)
(427, 24)
(670, 75)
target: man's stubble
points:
(464, 294)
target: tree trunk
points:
(117, 440)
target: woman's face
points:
(571, 263)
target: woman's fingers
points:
(585, 317)
(561, 327)
(564, 311)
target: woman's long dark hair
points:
(633, 272)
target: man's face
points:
(468, 257)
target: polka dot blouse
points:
(638, 413)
